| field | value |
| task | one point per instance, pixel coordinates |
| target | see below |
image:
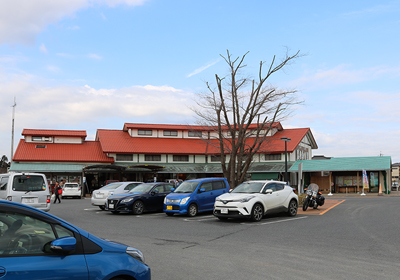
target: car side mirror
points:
(269, 191)
(173, 189)
(202, 190)
(63, 245)
(154, 192)
(230, 190)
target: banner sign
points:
(365, 180)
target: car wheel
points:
(138, 207)
(305, 204)
(169, 214)
(192, 210)
(292, 209)
(257, 212)
(102, 207)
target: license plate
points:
(28, 200)
(169, 207)
(111, 206)
(224, 211)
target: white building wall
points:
(200, 159)
(70, 140)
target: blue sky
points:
(88, 64)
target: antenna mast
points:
(12, 131)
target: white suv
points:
(254, 199)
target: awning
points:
(46, 167)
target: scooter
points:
(313, 198)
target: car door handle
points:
(2, 271)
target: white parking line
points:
(273, 222)
(207, 218)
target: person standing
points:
(57, 190)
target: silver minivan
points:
(26, 188)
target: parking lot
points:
(355, 239)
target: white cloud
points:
(43, 48)
(342, 75)
(53, 68)
(201, 69)
(85, 107)
(75, 27)
(65, 55)
(94, 56)
(161, 88)
(22, 20)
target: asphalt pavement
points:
(357, 238)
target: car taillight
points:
(48, 199)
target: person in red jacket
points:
(57, 192)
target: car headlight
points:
(110, 194)
(218, 199)
(135, 253)
(246, 199)
(129, 199)
(184, 200)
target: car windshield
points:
(142, 188)
(111, 186)
(249, 187)
(187, 187)
(24, 183)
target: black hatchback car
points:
(144, 197)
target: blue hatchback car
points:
(37, 245)
(195, 196)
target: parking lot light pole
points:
(286, 140)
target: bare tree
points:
(241, 112)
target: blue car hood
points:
(178, 195)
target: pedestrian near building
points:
(57, 190)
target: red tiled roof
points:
(116, 141)
(182, 127)
(274, 144)
(163, 126)
(87, 152)
(50, 132)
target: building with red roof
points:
(142, 152)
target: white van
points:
(26, 188)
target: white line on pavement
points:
(274, 222)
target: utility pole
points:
(12, 131)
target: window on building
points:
(124, 157)
(145, 132)
(170, 133)
(195, 134)
(181, 158)
(273, 156)
(41, 146)
(36, 138)
(152, 157)
(216, 158)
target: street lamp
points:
(286, 140)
